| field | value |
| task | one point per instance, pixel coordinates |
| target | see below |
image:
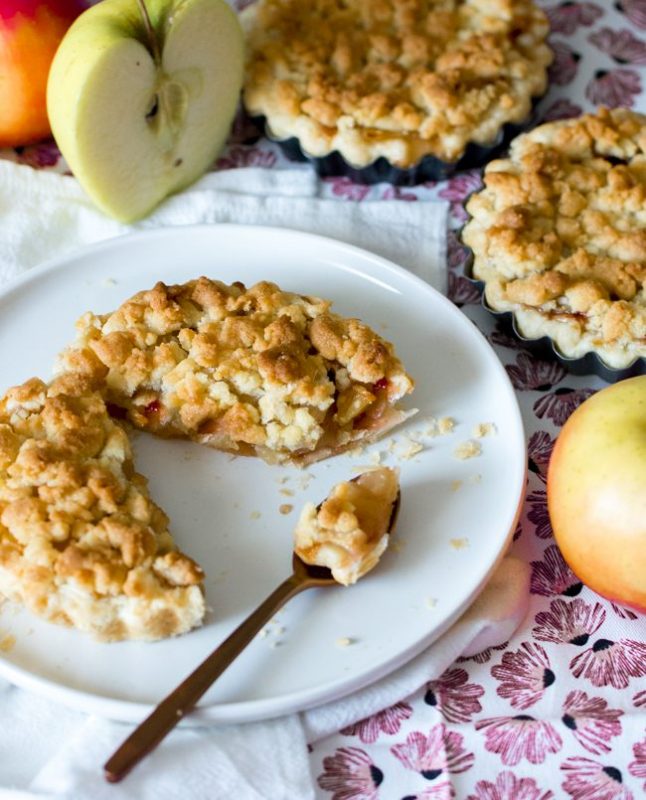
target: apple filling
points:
(349, 531)
(256, 371)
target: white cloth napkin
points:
(43, 215)
(48, 751)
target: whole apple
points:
(30, 32)
(596, 492)
(141, 97)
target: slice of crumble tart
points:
(81, 542)
(253, 371)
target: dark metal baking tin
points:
(545, 348)
(429, 168)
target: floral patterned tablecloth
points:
(560, 710)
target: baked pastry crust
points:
(559, 235)
(253, 371)
(400, 79)
(81, 542)
(349, 531)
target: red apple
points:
(30, 32)
(596, 492)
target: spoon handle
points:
(170, 711)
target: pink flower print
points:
(617, 87)
(639, 700)
(456, 252)
(440, 791)
(566, 17)
(344, 187)
(623, 45)
(350, 775)
(515, 738)
(458, 190)
(565, 65)
(589, 780)
(533, 374)
(540, 448)
(239, 156)
(397, 193)
(462, 291)
(635, 10)
(501, 337)
(456, 699)
(39, 156)
(484, 656)
(623, 613)
(440, 752)
(553, 576)
(591, 721)
(569, 623)
(637, 768)
(243, 130)
(611, 663)
(509, 787)
(558, 405)
(561, 109)
(524, 675)
(538, 514)
(387, 721)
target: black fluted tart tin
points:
(429, 168)
(545, 347)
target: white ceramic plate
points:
(456, 518)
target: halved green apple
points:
(140, 113)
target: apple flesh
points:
(596, 492)
(135, 128)
(30, 32)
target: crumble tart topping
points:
(559, 235)
(253, 371)
(349, 531)
(395, 78)
(81, 542)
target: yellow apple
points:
(141, 103)
(596, 492)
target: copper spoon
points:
(181, 700)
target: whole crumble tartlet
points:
(81, 542)
(253, 371)
(558, 235)
(398, 79)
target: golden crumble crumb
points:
(459, 544)
(468, 449)
(412, 448)
(483, 429)
(445, 425)
(344, 641)
(455, 485)
(255, 515)
(287, 492)
(286, 508)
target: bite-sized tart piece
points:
(350, 530)
(253, 371)
(81, 542)
(558, 235)
(398, 79)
